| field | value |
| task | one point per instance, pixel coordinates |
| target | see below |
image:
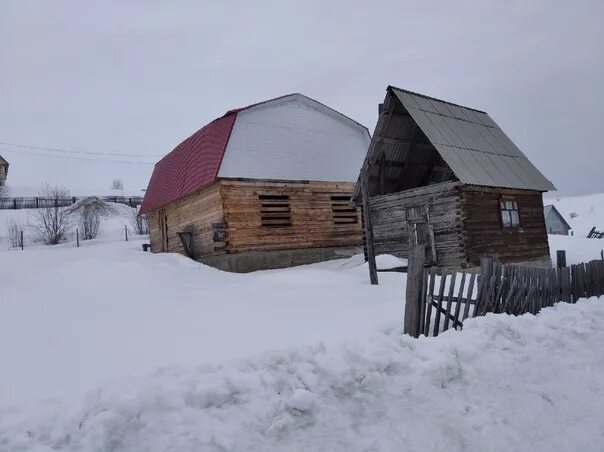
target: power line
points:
(66, 151)
(73, 157)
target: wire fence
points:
(37, 202)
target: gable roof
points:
(468, 140)
(195, 163)
(550, 208)
(4, 163)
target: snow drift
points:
(503, 384)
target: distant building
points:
(554, 221)
(263, 186)
(3, 171)
(448, 177)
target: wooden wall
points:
(226, 218)
(196, 212)
(312, 221)
(483, 232)
(390, 226)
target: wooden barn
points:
(3, 171)
(263, 186)
(447, 176)
(554, 221)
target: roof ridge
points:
(434, 98)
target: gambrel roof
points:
(472, 145)
(291, 137)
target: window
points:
(342, 211)
(275, 211)
(509, 213)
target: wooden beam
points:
(373, 277)
(415, 294)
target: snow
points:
(504, 383)
(104, 347)
(112, 226)
(71, 318)
(588, 209)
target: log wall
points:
(312, 218)
(484, 233)
(196, 213)
(226, 218)
(391, 229)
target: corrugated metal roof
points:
(472, 144)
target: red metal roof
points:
(192, 165)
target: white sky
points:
(128, 77)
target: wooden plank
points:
(441, 291)
(428, 301)
(368, 230)
(452, 282)
(414, 293)
(459, 299)
(466, 310)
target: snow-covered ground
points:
(531, 383)
(104, 347)
(71, 318)
(112, 225)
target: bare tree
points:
(50, 223)
(117, 184)
(14, 232)
(90, 222)
(89, 212)
(140, 223)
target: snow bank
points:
(531, 383)
(71, 318)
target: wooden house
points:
(3, 171)
(554, 221)
(263, 186)
(448, 177)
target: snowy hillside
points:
(588, 212)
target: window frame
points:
(508, 207)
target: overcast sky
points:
(120, 77)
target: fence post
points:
(414, 294)
(77, 237)
(126, 231)
(21, 239)
(560, 258)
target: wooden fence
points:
(39, 202)
(594, 234)
(440, 298)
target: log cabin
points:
(264, 186)
(3, 171)
(448, 177)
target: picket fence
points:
(439, 298)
